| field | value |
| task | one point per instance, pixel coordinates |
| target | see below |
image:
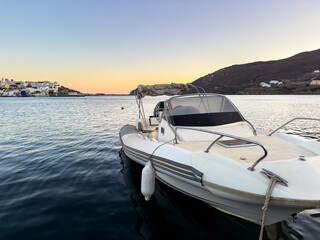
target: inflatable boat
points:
(201, 145)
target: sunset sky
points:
(112, 46)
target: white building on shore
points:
(315, 83)
(275, 82)
(14, 88)
(263, 84)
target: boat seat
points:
(141, 127)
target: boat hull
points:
(248, 208)
(245, 209)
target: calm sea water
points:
(61, 176)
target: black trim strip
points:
(205, 119)
(186, 168)
(162, 167)
(167, 165)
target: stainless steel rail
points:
(225, 135)
(297, 118)
(252, 127)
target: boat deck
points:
(278, 149)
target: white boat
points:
(201, 145)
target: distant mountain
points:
(296, 72)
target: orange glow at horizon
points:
(124, 84)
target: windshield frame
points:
(168, 116)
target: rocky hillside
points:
(67, 91)
(295, 73)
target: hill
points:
(64, 91)
(295, 73)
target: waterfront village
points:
(313, 82)
(11, 88)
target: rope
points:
(272, 184)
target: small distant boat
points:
(201, 145)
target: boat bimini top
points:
(162, 89)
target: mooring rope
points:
(273, 182)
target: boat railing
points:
(221, 135)
(254, 131)
(297, 118)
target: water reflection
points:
(172, 215)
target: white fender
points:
(148, 176)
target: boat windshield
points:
(201, 110)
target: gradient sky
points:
(112, 46)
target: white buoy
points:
(148, 176)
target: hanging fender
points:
(148, 176)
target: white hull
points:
(243, 208)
